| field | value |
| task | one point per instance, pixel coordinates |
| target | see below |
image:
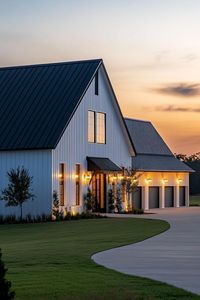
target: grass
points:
(52, 260)
(195, 200)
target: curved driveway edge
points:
(172, 257)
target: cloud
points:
(172, 108)
(182, 89)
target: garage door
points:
(169, 196)
(154, 197)
(137, 198)
(182, 196)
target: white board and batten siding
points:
(73, 148)
(39, 165)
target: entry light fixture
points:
(60, 175)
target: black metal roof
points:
(102, 164)
(145, 138)
(38, 101)
(152, 153)
(157, 163)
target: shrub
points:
(5, 285)
(88, 200)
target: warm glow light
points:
(148, 180)
(179, 180)
(60, 175)
(73, 210)
(76, 176)
(164, 181)
(120, 177)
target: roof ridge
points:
(52, 64)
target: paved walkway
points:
(172, 257)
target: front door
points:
(99, 191)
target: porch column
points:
(176, 196)
(162, 196)
(146, 197)
(187, 196)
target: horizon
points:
(153, 65)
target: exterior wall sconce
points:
(179, 180)
(164, 181)
(148, 180)
(60, 175)
(87, 177)
(120, 177)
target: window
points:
(62, 184)
(96, 82)
(77, 184)
(91, 126)
(101, 128)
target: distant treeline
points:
(193, 161)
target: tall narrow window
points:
(62, 184)
(91, 126)
(101, 128)
(77, 184)
(96, 80)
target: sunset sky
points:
(151, 49)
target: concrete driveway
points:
(172, 257)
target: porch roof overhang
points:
(102, 164)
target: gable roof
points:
(145, 138)
(37, 102)
(152, 153)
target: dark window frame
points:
(94, 113)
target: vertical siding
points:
(74, 147)
(39, 164)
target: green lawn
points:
(195, 200)
(52, 260)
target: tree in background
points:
(18, 190)
(193, 161)
(5, 285)
(188, 158)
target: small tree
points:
(55, 209)
(111, 200)
(88, 200)
(5, 285)
(119, 198)
(18, 190)
(131, 183)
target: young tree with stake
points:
(18, 190)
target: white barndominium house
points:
(62, 122)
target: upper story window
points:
(101, 128)
(91, 126)
(96, 82)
